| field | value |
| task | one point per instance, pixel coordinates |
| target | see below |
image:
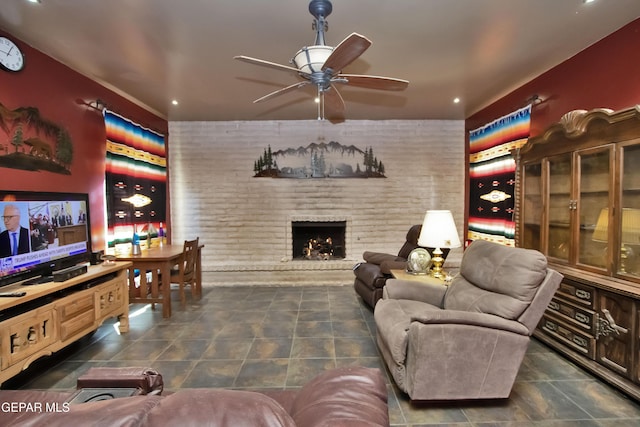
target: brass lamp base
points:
(625, 253)
(436, 270)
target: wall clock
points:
(11, 58)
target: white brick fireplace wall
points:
(245, 222)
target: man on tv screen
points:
(14, 240)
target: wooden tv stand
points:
(53, 315)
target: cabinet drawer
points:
(568, 335)
(73, 308)
(577, 292)
(571, 312)
(77, 324)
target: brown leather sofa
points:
(372, 275)
(350, 396)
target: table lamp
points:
(438, 231)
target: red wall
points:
(606, 74)
(59, 94)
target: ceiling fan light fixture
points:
(310, 59)
(321, 65)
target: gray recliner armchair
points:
(466, 340)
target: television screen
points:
(42, 232)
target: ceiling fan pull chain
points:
(320, 104)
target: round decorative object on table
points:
(419, 261)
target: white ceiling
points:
(154, 51)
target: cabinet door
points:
(592, 210)
(560, 203)
(636, 351)
(27, 334)
(628, 256)
(110, 299)
(532, 209)
(615, 340)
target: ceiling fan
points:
(322, 65)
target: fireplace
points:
(318, 240)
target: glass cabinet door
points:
(532, 207)
(628, 261)
(593, 208)
(560, 202)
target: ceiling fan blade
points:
(269, 64)
(282, 91)
(333, 102)
(372, 82)
(346, 52)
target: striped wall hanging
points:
(135, 180)
(492, 176)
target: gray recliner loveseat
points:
(466, 340)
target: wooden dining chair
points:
(186, 274)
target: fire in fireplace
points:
(316, 240)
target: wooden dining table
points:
(157, 262)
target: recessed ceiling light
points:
(33, 1)
(588, 1)
(456, 100)
(174, 102)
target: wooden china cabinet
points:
(578, 202)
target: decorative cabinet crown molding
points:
(578, 125)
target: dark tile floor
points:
(280, 337)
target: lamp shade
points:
(439, 230)
(630, 226)
(600, 233)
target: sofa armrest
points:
(431, 293)
(470, 318)
(378, 257)
(396, 264)
(148, 380)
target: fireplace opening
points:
(318, 240)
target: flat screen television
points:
(42, 232)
